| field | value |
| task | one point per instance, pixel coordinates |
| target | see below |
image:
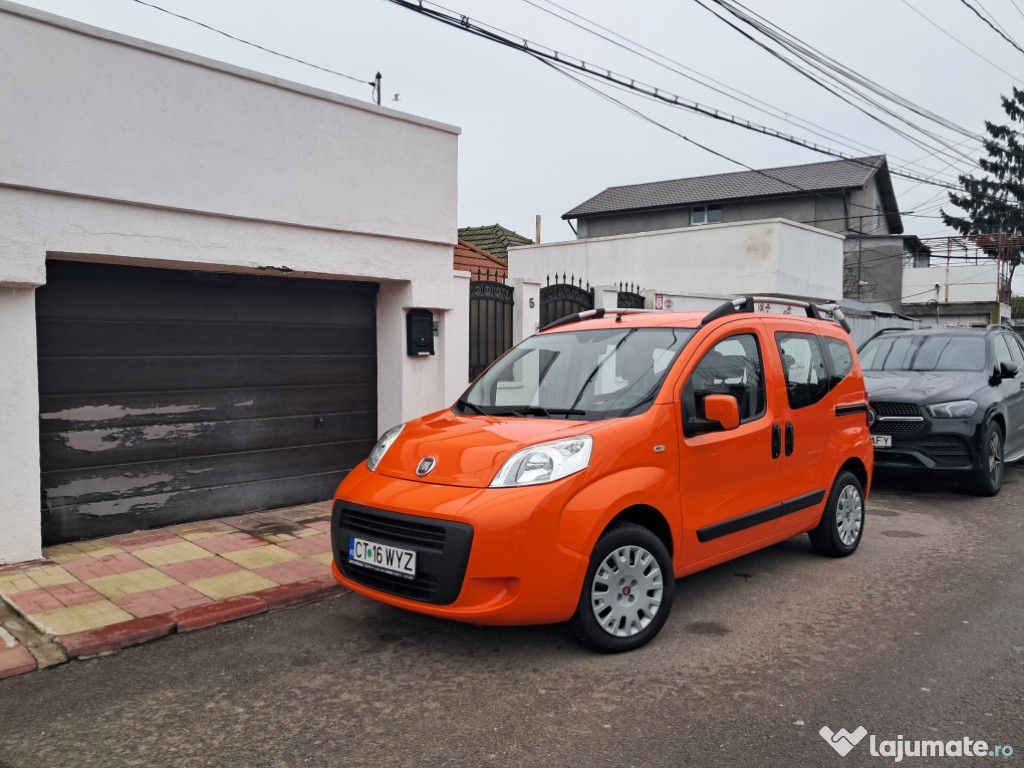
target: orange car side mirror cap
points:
(724, 409)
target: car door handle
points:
(790, 438)
(776, 441)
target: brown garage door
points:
(171, 396)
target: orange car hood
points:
(468, 449)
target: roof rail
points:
(749, 304)
(595, 314)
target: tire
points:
(628, 590)
(842, 522)
(988, 479)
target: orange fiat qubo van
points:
(606, 456)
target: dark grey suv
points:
(949, 400)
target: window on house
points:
(706, 214)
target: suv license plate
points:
(382, 557)
(882, 441)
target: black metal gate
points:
(563, 298)
(630, 297)
(490, 320)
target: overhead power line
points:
(252, 44)
(994, 28)
(564, 62)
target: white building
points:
(219, 265)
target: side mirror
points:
(724, 409)
(1008, 370)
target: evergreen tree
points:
(994, 204)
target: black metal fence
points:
(563, 297)
(490, 320)
(630, 297)
(491, 307)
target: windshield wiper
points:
(466, 405)
(536, 410)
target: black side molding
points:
(749, 520)
(850, 410)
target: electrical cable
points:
(250, 43)
(561, 61)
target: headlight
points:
(958, 409)
(545, 463)
(382, 447)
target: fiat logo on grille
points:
(426, 466)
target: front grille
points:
(896, 409)
(442, 551)
(896, 418)
(403, 531)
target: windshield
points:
(586, 374)
(932, 352)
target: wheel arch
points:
(650, 518)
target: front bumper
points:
(921, 442)
(484, 555)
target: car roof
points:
(650, 318)
(946, 330)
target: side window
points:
(807, 379)
(732, 367)
(841, 356)
(1003, 354)
(1017, 348)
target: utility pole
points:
(376, 88)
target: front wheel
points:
(988, 479)
(628, 590)
(842, 523)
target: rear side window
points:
(803, 362)
(840, 354)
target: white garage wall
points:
(117, 150)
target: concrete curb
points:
(17, 656)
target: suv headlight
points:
(382, 447)
(958, 409)
(545, 463)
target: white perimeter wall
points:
(773, 256)
(120, 151)
(961, 283)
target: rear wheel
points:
(628, 591)
(988, 479)
(842, 523)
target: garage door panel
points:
(112, 375)
(119, 445)
(72, 487)
(83, 412)
(108, 338)
(200, 296)
(170, 396)
(107, 518)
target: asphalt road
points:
(917, 637)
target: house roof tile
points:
(474, 260)
(494, 239)
(786, 181)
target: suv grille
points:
(442, 551)
(896, 418)
(896, 409)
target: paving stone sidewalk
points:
(98, 596)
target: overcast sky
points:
(536, 142)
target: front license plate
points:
(882, 441)
(382, 557)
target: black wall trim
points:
(749, 520)
(850, 410)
